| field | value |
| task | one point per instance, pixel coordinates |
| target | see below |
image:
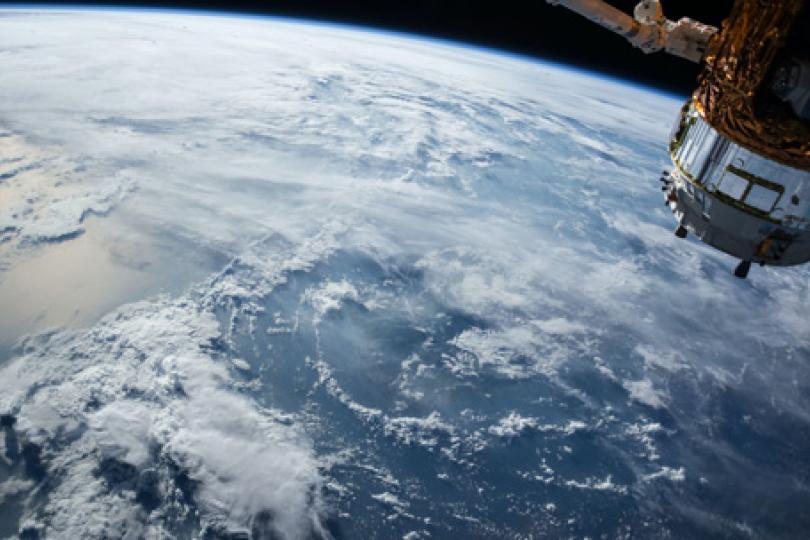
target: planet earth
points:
(268, 278)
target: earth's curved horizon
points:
(344, 26)
(285, 279)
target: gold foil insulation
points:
(734, 94)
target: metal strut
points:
(648, 29)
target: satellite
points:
(741, 146)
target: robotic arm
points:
(648, 29)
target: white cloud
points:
(329, 296)
(146, 392)
(427, 431)
(512, 425)
(644, 392)
(14, 487)
(669, 360)
(597, 485)
(668, 473)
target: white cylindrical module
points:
(738, 201)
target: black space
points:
(525, 26)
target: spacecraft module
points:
(741, 146)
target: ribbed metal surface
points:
(737, 200)
(716, 164)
